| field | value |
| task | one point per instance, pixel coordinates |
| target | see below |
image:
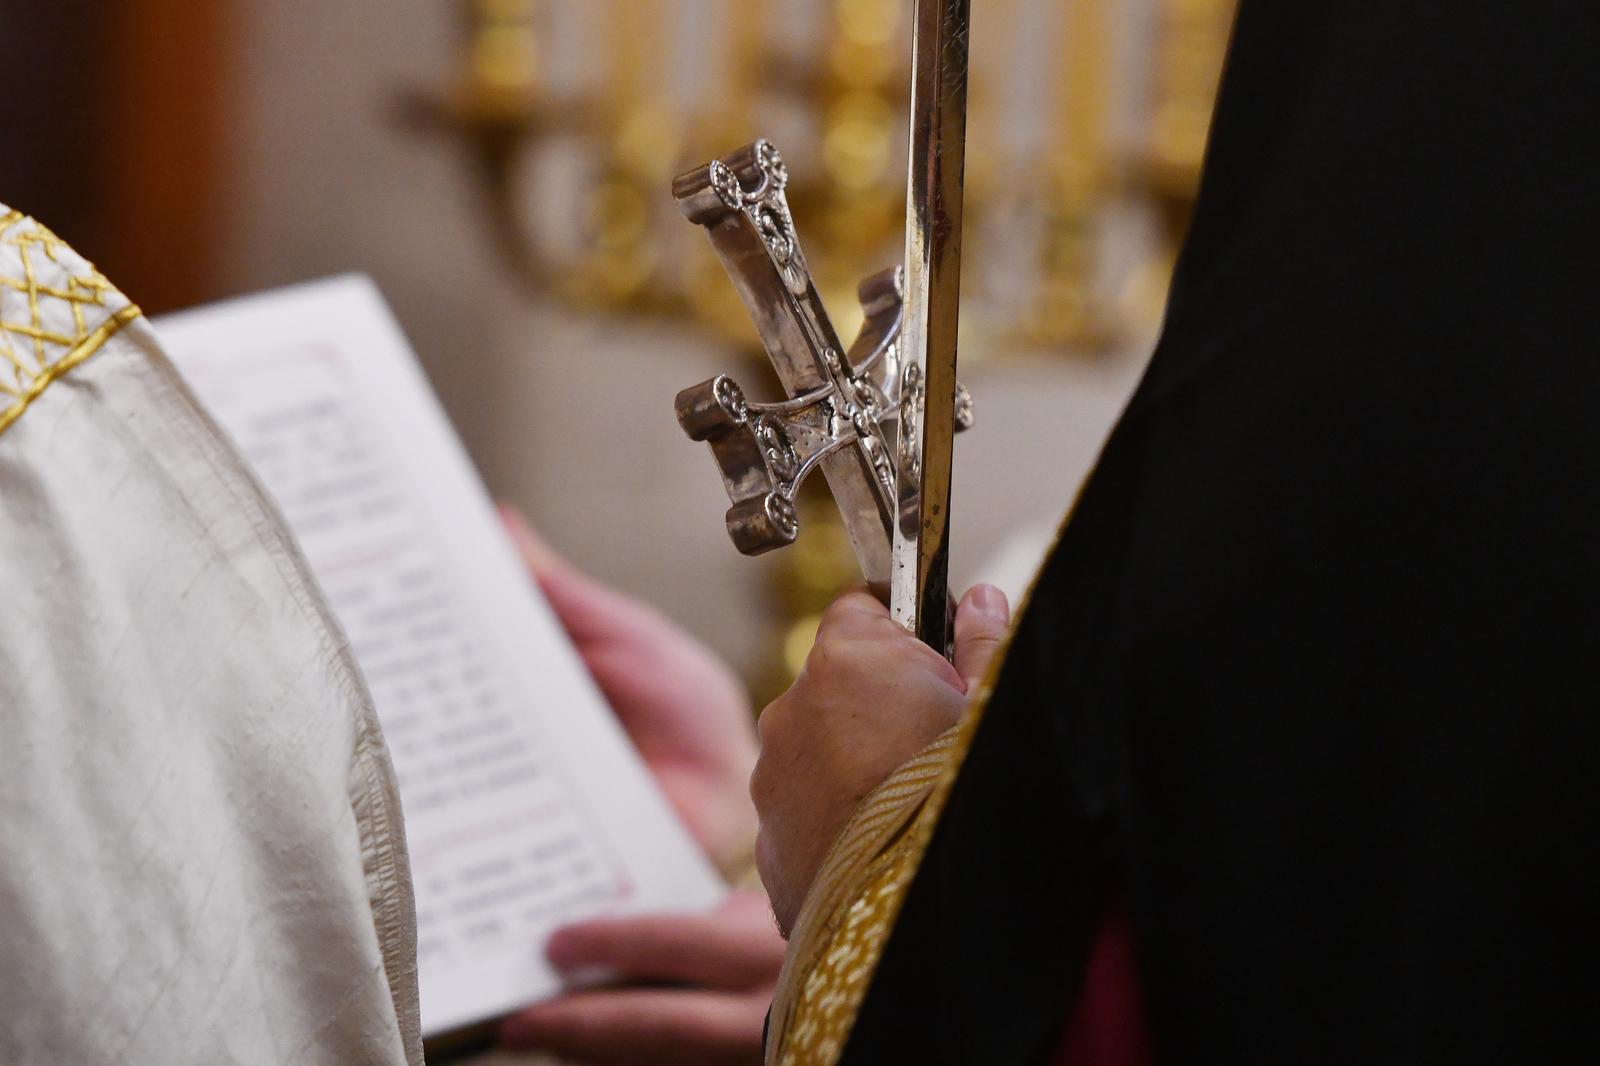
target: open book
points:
(526, 807)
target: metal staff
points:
(919, 596)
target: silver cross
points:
(845, 409)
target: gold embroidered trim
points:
(848, 914)
(56, 311)
(91, 344)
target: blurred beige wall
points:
(568, 416)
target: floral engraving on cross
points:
(843, 408)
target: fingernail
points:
(561, 949)
(987, 599)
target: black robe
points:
(1312, 680)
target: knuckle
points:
(766, 789)
(758, 786)
(840, 610)
(769, 727)
(824, 655)
(764, 859)
(841, 649)
(851, 607)
(984, 644)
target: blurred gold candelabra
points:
(577, 115)
(1086, 147)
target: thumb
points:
(539, 557)
(982, 619)
(588, 610)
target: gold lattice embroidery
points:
(849, 912)
(55, 311)
(835, 987)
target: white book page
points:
(526, 806)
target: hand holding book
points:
(696, 987)
(686, 712)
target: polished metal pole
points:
(919, 591)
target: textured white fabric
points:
(201, 851)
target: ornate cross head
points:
(845, 408)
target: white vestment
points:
(201, 851)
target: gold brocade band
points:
(78, 355)
(847, 915)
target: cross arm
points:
(842, 410)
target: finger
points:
(536, 552)
(982, 619)
(858, 616)
(696, 949)
(855, 603)
(626, 1027)
(587, 609)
